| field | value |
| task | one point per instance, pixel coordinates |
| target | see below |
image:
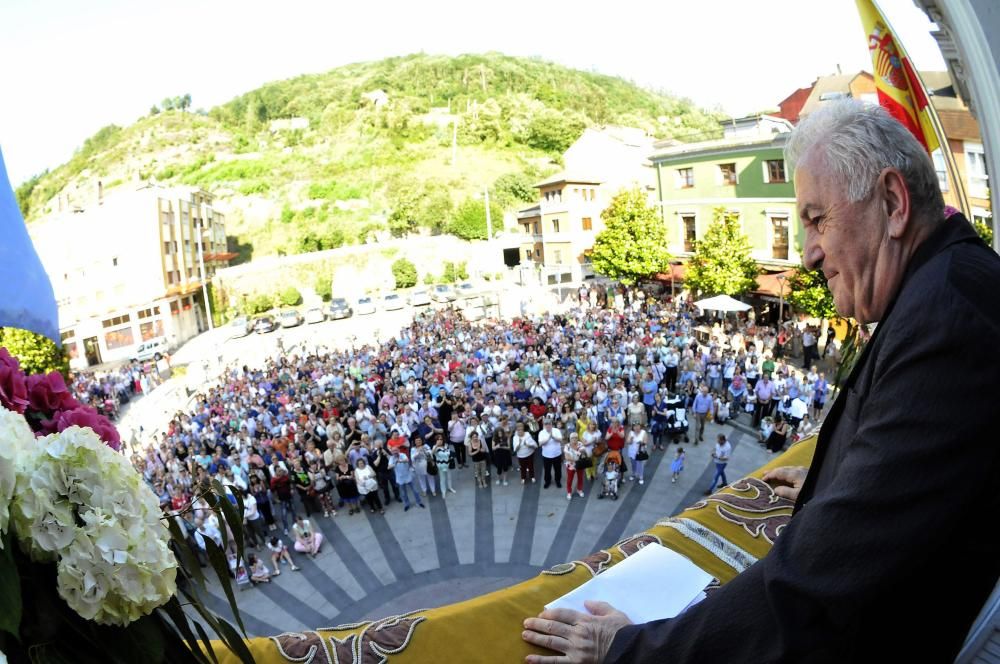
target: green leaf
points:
(180, 621)
(218, 559)
(233, 517)
(235, 642)
(633, 244)
(191, 566)
(10, 588)
(143, 640)
(207, 641)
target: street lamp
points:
(781, 295)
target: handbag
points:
(642, 455)
(584, 462)
(432, 468)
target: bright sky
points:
(71, 67)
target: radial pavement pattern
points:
(474, 542)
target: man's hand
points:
(583, 638)
(788, 480)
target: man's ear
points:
(895, 202)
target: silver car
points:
(315, 315)
(419, 298)
(392, 302)
(290, 318)
(366, 305)
(442, 293)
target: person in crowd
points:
(347, 487)
(550, 442)
(503, 435)
(677, 465)
(701, 406)
(255, 529)
(577, 461)
(637, 446)
(258, 571)
(384, 475)
(419, 457)
(524, 447)
(721, 454)
(775, 441)
(478, 455)
(367, 485)
(593, 441)
(444, 460)
(281, 486)
(280, 554)
(307, 539)
(403, 469)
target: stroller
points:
(612, 475)
(677, 422)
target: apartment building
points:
(125, 268)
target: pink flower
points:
(48, 394)
(13, 390)
(85, 416)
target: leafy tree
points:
(259, 303)
(809, 294)
(337, 238)
(512, 189)
(323, 286)
(23, 193)
(462, 270)
(448, 275)
(419, 206)
(37, 354)
(405, 273)
(154, 110)
(553, 131)
(633, 244)
(985, 231)
(469, 220)
(290, 297)
(722, 264)
(428, 279)
(185, 102)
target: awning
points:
(770, 284)
(722, 303)
(678, 272)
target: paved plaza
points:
(474, 542)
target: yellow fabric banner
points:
(723, 534)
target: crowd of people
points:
(589, 395)
(108, 391)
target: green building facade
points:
(744, 173)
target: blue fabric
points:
(26, 297)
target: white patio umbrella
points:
(721, 303)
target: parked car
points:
(366, 305)
(465, 289)
(315, 315)
(240, 327)
(264, 324)
(153, 349)
(442, 293)
(290, 318)
(419, 298)
(339, 308)
(392, 302)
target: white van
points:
(154, 349)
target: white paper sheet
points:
(652, 584)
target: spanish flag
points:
(900, 90)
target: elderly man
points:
(891, 551)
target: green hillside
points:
(369, 162)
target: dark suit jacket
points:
(894, 544)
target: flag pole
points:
(943, 144)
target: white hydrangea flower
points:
(81, 504)
(15, 441)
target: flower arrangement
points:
(86, 556)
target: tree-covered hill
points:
(399, 145)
